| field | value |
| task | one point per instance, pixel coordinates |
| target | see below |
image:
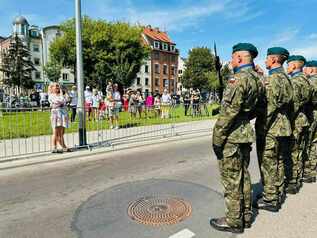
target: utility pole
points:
(80, 77)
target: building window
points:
(146, 93)
(173, 48)
(146, 81)
(157, 68)
(180, 71)
(172, 70)
(156, 44)
(166, 83)
(173, 58)
(165, 46)
(156, 55)
(157, 82)
(138, 81)
(165, 69)
(172, 83)
(36, 48)
(146, 70)
(65, 77)
(37, 61)
(37, 75)
(34, 34)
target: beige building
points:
(39, 41)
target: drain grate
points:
(159, 211)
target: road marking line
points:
(183, 234)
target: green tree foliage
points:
(111, 51)
(17, 65)
(201, 71)
(226, 73)
(200, 63)
(53, 71)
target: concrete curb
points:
(46, 158)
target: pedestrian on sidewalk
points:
(117, 107)
(165, 104)
(59, 117)
(88, 102)
(149, 102)
(95, 104)
(73, 102)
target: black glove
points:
(218, 151)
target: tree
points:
(53, 71)
(111, 51)
(17, 65)
(200, 63)
(226, 72)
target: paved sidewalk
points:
(13, 148)
(296, 219)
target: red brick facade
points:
(164, 60)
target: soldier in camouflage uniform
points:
(300, 123)
(232, 139)
(310, 172)
(277, 130)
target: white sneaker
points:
(117, 128)
(111, 127)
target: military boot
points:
(282, 198)
(309, 179)
(261, 204)
(299, 185)
(248, 218)
(220, 224)
(291, 189)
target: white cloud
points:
(310, 51)
(285, 36)
(313, 36)
(176, 18)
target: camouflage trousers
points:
(311, 164)
(236, 181)
(275, 153)
(295, 167)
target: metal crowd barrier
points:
(27, 131)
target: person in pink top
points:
(149, 103)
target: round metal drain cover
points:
(157, 211)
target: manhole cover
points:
(159, 211)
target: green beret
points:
(278, 51)
(296, 58)
(246, 47)
(312, 63)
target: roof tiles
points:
(158, 35)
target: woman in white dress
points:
(59, 117)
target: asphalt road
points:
(41, 200)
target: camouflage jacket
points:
(302, 97)
(279, 97)
(313, 82)
(239, 100)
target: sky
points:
(191, 23)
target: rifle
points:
(218, 66)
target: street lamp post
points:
(80, 76)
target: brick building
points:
(160, 71)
